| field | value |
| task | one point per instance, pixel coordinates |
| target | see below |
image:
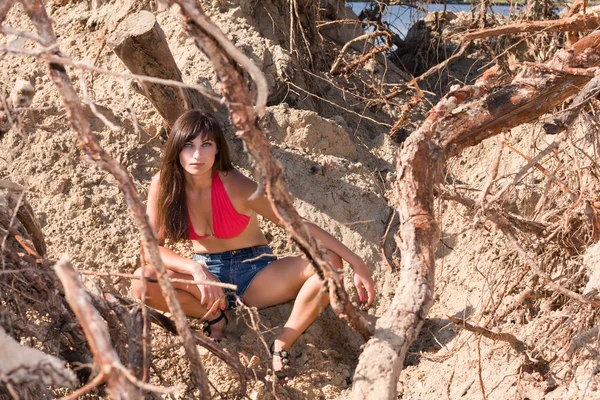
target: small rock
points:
(22, 94)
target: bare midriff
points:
(251, 236)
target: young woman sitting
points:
(199, 195)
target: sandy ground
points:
(340, 172)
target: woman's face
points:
(198, 155)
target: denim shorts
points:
(238, 267)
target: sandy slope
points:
(339, 171)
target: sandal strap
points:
(207, 324)
(216, 320)
(284, 355)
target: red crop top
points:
(227, 222)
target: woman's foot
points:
(281, 361)
(214, 328)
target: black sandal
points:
(207, 324)
(284, 355)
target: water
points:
(401, 18)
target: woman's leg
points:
(286, 279)
(188, 296)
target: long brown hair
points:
(173, 222)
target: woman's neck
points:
(199, 182)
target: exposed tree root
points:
(450, 127)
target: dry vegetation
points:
(488, 181)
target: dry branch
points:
(584, 339)
(26, 365)
(449, 128)
(118, 387)
(173, 280)
(509, 338)
(577, 23)
(208, 38)
(37, 13)
(567, 117)
(367, 36)
(536, 268)
(51, 56)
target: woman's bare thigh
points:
(278, 283)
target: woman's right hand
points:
(213, 297)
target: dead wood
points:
(111, 369)
(27, 218)
(209, 39)
(536, 268)
(141, 44)
(567, 117)
(584, 339)
(516, 344)
(167, 324)
(137, 347)
(449, 128)
(372, 52)
(30, 292)
(37, 13)
(507, 223)
(28, 366)
(577, 23)
(173, 280)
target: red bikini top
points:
(227, 222)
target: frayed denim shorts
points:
(238, 267)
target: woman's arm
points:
(362, 277)
(177, 263)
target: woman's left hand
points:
(363, 282)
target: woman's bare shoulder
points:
(154, 184)
(155, 178)
(237, 183)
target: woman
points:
(199, 195)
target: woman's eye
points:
(187, 145)
(207, 144)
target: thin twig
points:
(49, 55)
(384, 239)
(85, 389)
(509, 338)
(544, 171)
(174, 280)
(479, 368)
(366, 36)
(517, 178)
(90, 103)
(337, 105)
